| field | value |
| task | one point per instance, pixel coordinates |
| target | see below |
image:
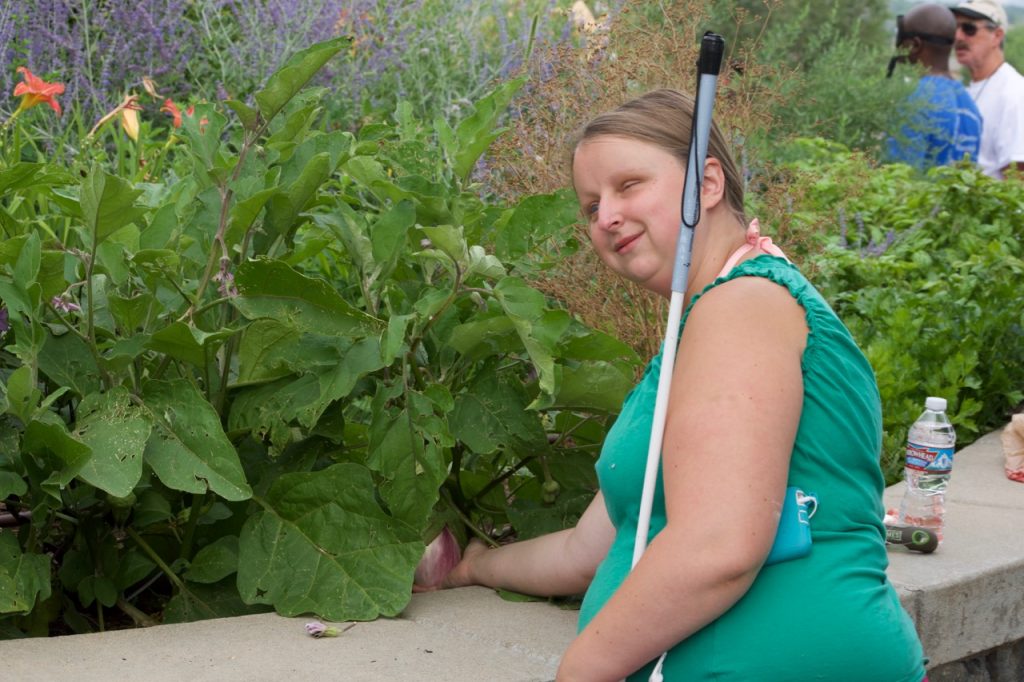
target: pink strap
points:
(754, 241)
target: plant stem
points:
(193, 520)
(226, 194)
(433, 318)
(144, 546)
(508, 473)
(91, 316)
(138, 617)
(466, 520)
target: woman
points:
(768, 390)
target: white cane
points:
(712, 48)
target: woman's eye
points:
(591, 209)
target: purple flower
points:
(225, 279)
(4, 322)
(64, 304)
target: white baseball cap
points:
(989, 10)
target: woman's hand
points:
(462, 574)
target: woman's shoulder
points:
(754, 309)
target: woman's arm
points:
(556, 564)
(734, 408)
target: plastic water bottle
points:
(930, 446)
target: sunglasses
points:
(968, 27)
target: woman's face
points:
(630, 194)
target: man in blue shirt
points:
(944, 124)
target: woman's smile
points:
(623, 244)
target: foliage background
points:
(446, 353)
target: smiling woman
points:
(742, 425)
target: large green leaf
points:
(11, 484)
(349, 227)
(61, 453)
(22, 395)
(539, 329)
(388, 235)
(369, 172)
(336, 144)
(592, 386)
(50, 275)
(322, 544)
(286, 82)
(476, 132)
(491, 415)
(188, 449)
(244, 212)
(199, 602)
(23, 295)
(272, 408)
(215, 561)
(184, 342)
(108, 204)
(271, 289)
(116, 430)
(247, 115)
(23, 577)
(268, 351)
(534, 219)
(411, 456)
(485, 336)
(284, 208)
(67, 361)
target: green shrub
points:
(289, 352)
(926, 273)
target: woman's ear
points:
(712, 191)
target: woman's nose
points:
(609, 215)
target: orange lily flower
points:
(172, 109)
(36, 91)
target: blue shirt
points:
(944, 125)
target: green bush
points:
(289, 352)
(926, 272)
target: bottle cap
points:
(935, 404)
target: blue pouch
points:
(793, 539)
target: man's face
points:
(976, 40)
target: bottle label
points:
(930, 459)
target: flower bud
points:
(442, 555)
(318, 629)
(550, 490)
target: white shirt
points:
(1000, 99)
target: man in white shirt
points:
(997, 87)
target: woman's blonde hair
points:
(663, 118)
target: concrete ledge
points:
(466, 634)
(967, 600)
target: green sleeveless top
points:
(832, 615)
